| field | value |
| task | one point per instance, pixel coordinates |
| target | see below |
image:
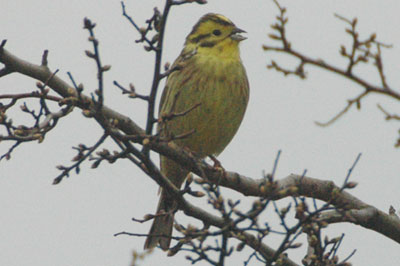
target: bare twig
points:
(84, 153)
(361, 51)
(131, 92)
(388, 116)
(96, 56)
(356, 101)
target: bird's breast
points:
(218, 92)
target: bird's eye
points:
(217, 32)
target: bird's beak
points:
(236, 36)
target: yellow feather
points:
(210, 76)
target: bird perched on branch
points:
(208, 85)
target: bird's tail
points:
(161, 229)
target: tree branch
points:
(362, 51)
(293, 185)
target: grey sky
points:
(73, 223)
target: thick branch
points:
(361, 213)
(43, 73)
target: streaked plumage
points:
(210, 74)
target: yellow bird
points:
(212, 77)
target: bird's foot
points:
(218, 166)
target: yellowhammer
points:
(210, 76)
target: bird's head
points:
(215, 34)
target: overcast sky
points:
(73, 223)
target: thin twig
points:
(66, 170)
